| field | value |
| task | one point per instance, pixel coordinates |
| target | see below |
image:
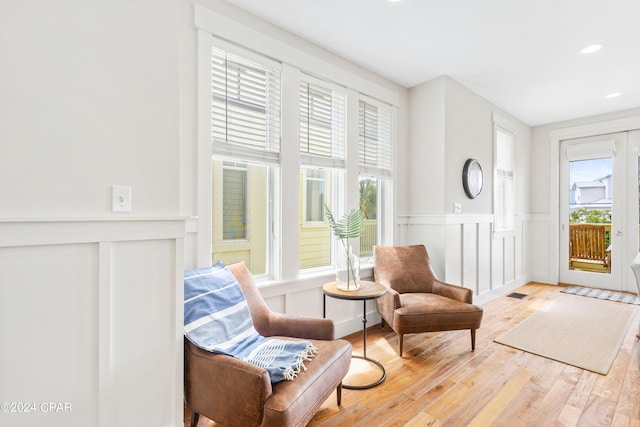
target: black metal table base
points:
(373, 384)
(364, 345)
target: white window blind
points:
(375, 129)
(322, 125)
(246, 107)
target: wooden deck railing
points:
(368, 238)
(589, 248)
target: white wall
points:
(449, 125)
(90, 300)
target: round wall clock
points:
(472, 178)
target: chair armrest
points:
(387, 304)
(211, 376)
(288, 325)
(455, 292)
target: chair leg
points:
(194, 418)
(400, 342)
(473, 340)
(339, 394)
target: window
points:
(314, 187)
(251, 161)
(322, 111)
(504, 188)
(374, 132)
(245, 122)
(375, 122)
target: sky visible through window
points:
(589, 170)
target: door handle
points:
(618, 233)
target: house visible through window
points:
(314, 196)
(234, 202)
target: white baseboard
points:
(498, 292)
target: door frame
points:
(611, 146)
(627, 124)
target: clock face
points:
(472, 178)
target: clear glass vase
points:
(348, 271)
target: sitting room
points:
(437, 203)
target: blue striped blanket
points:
(217, 319)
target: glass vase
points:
(348, 270)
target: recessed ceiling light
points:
(613, 95)
(591, 48)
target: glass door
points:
(592, 211)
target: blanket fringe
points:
(292, 371)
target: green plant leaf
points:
(350, 225)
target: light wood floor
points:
(440, 382)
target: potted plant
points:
(349, 226)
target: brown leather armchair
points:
(236, 393)
(416, 300)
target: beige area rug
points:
(578, 331)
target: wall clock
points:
(472, 178)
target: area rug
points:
(581, 332)
(602, 294)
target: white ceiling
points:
(522, 55)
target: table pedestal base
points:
(373, 384)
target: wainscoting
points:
(91, 320)
(465, 250)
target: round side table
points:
(366, 291)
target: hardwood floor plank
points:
(440, 382)
(498, 404)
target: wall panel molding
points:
(110, 305)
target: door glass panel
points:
(590, 202)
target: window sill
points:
(324, 275)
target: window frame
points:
(284, 236)
(501, 125)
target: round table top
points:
(367, 290)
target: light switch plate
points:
(121, 198)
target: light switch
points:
(457, 208)
(121, 198)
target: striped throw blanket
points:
(217, 319)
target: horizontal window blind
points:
(504, 153)
(322, 125)
(245, 107)
(375, 129)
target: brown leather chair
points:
(416, 300)
(236, 393)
